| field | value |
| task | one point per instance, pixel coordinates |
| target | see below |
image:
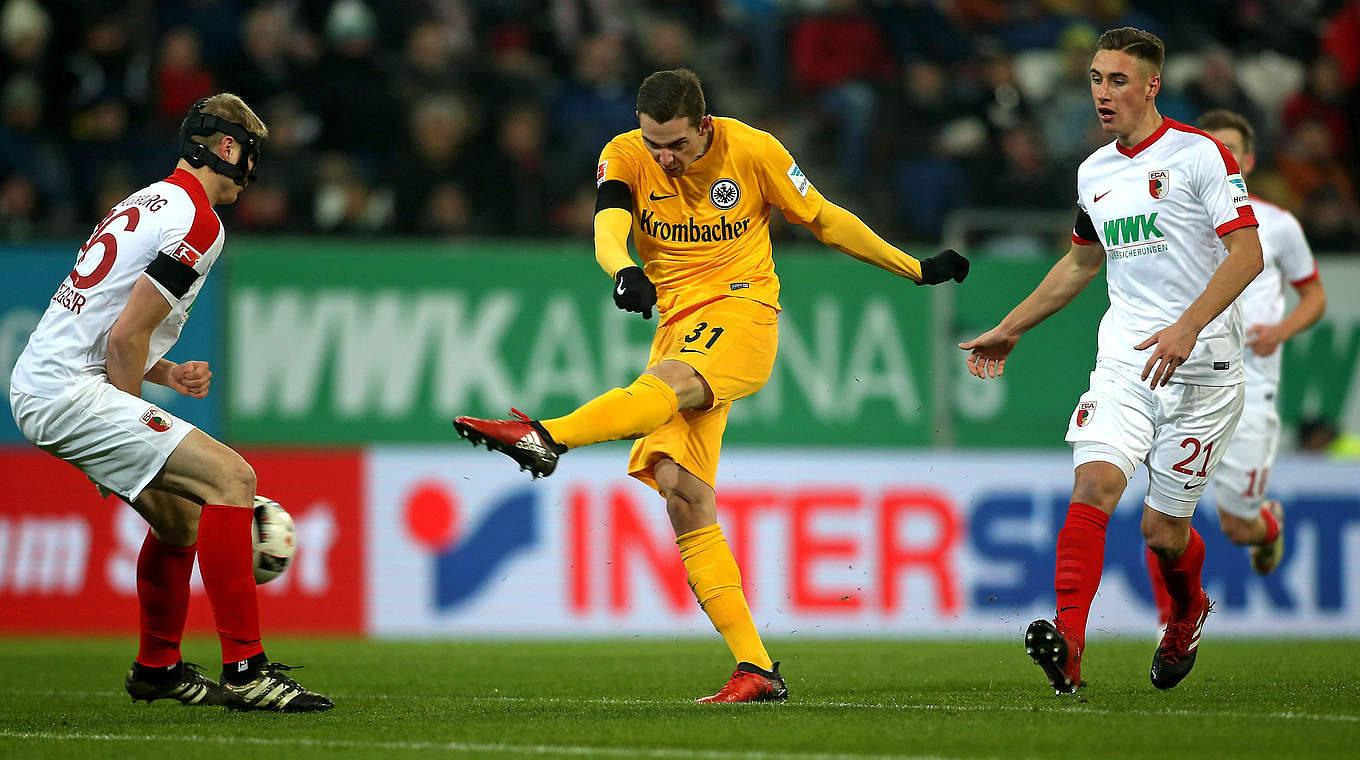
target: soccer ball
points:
(272, 536)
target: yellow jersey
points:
(706, 234)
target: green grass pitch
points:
(63, 698)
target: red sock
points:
(1081, 558)
(163, 574)
(1272, 526)
(224, 561)
(1183, 575)
(1159, 595)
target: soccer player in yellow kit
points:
(696, 191)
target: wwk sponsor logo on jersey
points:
(1159, 183)
(1132, 229)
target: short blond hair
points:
(230, 107)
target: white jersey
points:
(1288, 259)
(1159, 210)
(167, 231)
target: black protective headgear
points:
(199, 124)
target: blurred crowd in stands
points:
(485, 117)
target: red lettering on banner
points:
(629, 536)
(809, 548)
(578, 548)
(897, 508)
(738, 510)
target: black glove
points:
(634, 292)
(942, 267)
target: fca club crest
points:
(1085, 411)
(1159, 183)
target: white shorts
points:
(1240, 480)
(118, 440)
(1179, 431)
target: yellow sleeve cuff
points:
(844, 231)
(611, 239)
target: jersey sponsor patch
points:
(1159, 183)
(800, 182)
(1237, 186)
(1085, 411)
(157, 420)
(600, 170)
(724, 194)
(186, 254)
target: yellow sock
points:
(623, 413)
(716, 580)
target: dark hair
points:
(667, 95)
(1145, 46)
(1222, 118)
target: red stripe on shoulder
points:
(1079, 240)
(1223, 151)
(206, 226)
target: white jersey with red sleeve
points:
(167, 231)
(1160, 209)
(1288, 259)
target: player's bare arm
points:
(840, 229)
(1264, 340)
(190, 378)
(130, 336)
(1063, 282)
(1174, 343)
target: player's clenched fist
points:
(634, 292)
(944, 266)
(191, 378)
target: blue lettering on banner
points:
(1025, 569)
(509, 527)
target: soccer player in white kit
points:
(1246, 516)
(1165, 208)
(76, 393)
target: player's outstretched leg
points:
(751, 684)
(522, 439)
(181, 681)
(616, 415)
(1266, 556)
(1058, 654)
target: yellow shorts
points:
(731, 343)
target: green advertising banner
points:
(1029, 405)
(356, 343)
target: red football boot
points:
(521, 439)
(1180, 643)
(1057, 654)
(751, 684)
